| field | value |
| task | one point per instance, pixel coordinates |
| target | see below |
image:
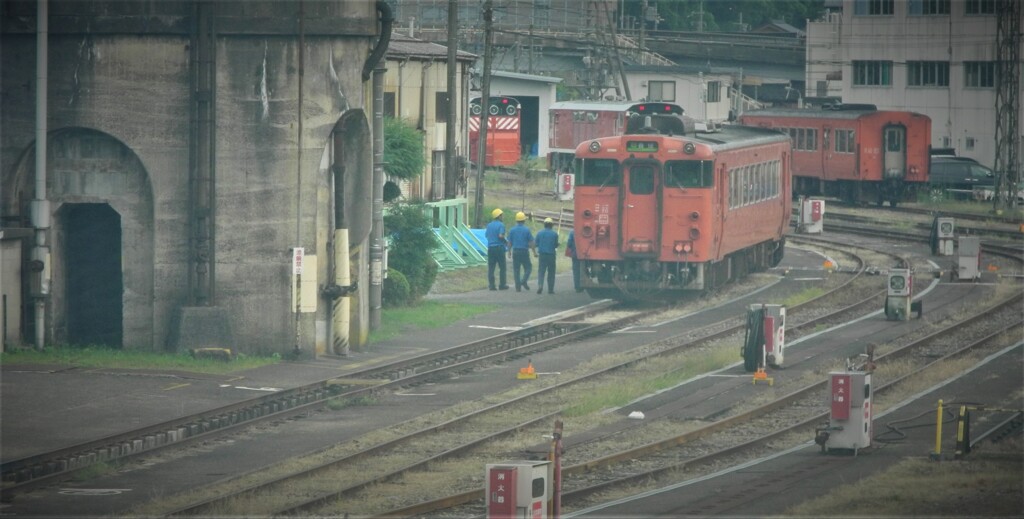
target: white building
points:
(936, 57)
(704, 95)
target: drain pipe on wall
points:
(40, 212)
(377, 207)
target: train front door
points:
(894, 159)
(639, 210)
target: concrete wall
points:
(120, 71)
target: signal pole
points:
(1007, 164)
(450, 185)
(485, 115)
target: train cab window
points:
(598, 172)
(689, 173)
(641, 180)
(893, 140)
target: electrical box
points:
(943, 236)
(519, 489)
(968, 255)
(899, 293)
(812, 216)
(850, 422)
(765, 340)
(565, 185)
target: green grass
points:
(425, 315)
(803, 296)
(105, 357)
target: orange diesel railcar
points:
(658, 210)
(573, 122)
(503, 139)
(854, 152)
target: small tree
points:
(412, 243)
(404, 155)
(527, 169)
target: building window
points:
(542, 13)
(980, 7)
(441, 106)
(661, 91)
(822, 88)
(980, 74)
(969, 143)
(389, 104)
(928, 73)
(927, 7)
(945, 142)
(844, 141)
(714, 91)
(872, 73)
(873, 7)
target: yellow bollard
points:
(938, 432)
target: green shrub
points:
(396, 291)
(412, 242)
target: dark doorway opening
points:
(529, 125)
(95, 286)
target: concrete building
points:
(190, 147)
(535, 95)
(703, 94)
(936, 58)
(416, 91)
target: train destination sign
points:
(641, 146)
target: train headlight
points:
(587, 231)
(695, 216)
(681, 247)
(694, 233)
(587, 213)
(594, 147)
(689, 148)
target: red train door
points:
(894, 157)
(639, 210)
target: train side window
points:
(641, 180)
(599, 172)
(689, 173)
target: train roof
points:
(844, 113)
(619, 106)
(733, 135)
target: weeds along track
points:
(318, 488)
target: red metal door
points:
(639, 210)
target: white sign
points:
(297, 254)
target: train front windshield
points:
(597, 172)
(689, 173)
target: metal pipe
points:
(40, 204)
(377, 208)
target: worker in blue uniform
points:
(520, 238)
(570, 250)
(496, 243)
(547, 242)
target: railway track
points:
(358, 384)
(468, 432)
(701, 450)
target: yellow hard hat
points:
(496, 213)
(520, 216)
(548, 220)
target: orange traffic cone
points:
(527, 372)
(761, 376)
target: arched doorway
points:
(92, 256)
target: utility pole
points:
(450, 167)
(485, 114)
(1007, 164)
